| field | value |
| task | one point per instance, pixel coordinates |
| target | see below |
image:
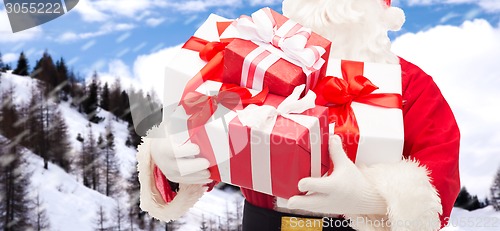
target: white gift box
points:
(381, 130)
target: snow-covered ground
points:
(486, 219)
(72, 206)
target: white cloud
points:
(117, 69)
(448, 16)
(104, 10)
(89, 13)
(264, 2)
(488, 5)
(153, 22)
(150, 69)
(464, 63)
(203, 5)
(6, 35)
(103, 30)
(10, 57)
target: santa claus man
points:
(415, 194)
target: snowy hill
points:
(486, 219)
(72, 206)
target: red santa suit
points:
(421, 188)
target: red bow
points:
(201, 107)
(210, 52)
(338, 95)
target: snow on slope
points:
(69, 204)
(486, 219)
(22, 87)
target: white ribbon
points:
(262, 119)
(291, 38)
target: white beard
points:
(357, 28)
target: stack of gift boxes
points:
(260, 95)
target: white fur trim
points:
(150, 198)
(412, 201)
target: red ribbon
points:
(210, 52)
(201, 108)
(338, 95)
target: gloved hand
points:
(345, 191)
(172, 158)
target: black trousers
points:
(259, 219)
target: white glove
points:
(345, 191)
(178, 162)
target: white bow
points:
(291, 38)
(264, 117)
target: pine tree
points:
(22, 66)
(463, 198)
(115, 99)
(9, 120)
(125, 107)
(14, 184)
(90, 102)
(495, 192)
(41, 222)
(105, 97)
(101, 219)
(62, 77)
(111, 170)
(468, 201)
(2, 65)
(59, 144)
(47, 74)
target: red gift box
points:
(270, 156)
(255, 61)
(290, 149)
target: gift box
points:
(188, 65)
(365, 109)
(267, 148)
(274, 51)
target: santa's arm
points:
(420, 191)
(432, 134)
(161, 198)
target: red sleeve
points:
(432, 136)
(168, 189)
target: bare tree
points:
(14, 203)
(101, 219)
(42, 222)
(495, 192)
(119, 216)
(111, 172)
(203, 226)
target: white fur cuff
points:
(150, 198)
(413, 203)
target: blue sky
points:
(455, 41)
(97, 32)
